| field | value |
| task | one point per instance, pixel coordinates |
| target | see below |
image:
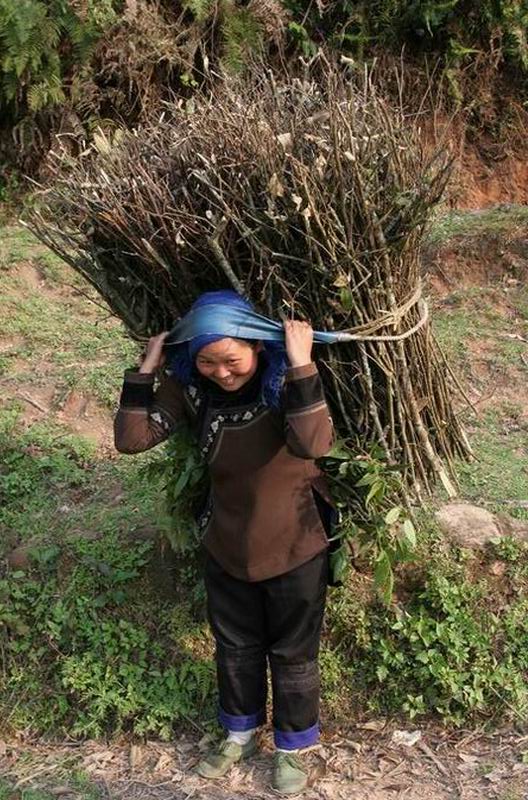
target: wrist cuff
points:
(138, 389)
(294, 373)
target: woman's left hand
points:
(299, 341)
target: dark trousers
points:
(278, 619)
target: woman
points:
(261, 419)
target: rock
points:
(406, 738)
(509, 526)
(20, 557)
(468, 525)
(472, 527)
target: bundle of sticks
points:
(311, 196)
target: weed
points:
(475, 223)
(370, 516)
(336, 681)
(7, 793)
(81, 646)
(76, 655)
(499, 473)
(442, 651)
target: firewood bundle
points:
(309, 196)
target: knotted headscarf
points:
(181, 359)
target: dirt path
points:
(373, 762)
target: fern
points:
(200, 9)
(47, 93)
(42, 41)
(241, 36)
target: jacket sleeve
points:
(309, 429)
(146, 417)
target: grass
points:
(54, 485)
(470, 320)
(57, 335)
(499, 220)
(500, 472)
(483, 331)
(7, 793)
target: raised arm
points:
(147, 417)
(309, 429)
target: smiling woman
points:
(260, 419)
(229, 362)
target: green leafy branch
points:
(373, 522)
(184, 476)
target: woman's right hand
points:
(154, 357)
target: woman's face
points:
(229, 362)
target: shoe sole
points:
(219, 777)
(282, 793)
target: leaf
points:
(339, 451)
(285, 139)
(403, 550)
(384, 576)
(377, 489)
(297, 201)
(393, 515)
(347, 299)
(180, 484)
(342, 281)
(101, 142)
(367, 479)
(275, 187)
(339, 563)
(409, 532)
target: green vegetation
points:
(445, 648)
(6, 793)
(87, 644)
(483, 331)
(78, 783)
(42, 43)
(457, 30)
(499, 474)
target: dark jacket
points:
(263, 519)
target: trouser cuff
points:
(240, 722)
(293, 740)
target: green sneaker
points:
(289, 774)
(219, 761)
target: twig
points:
(434, 758)
(33, 402)
(222, 260)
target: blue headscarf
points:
(181, 362)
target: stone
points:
(509, 526)
(20, 557)
(468, 525)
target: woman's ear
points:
(259, 347)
